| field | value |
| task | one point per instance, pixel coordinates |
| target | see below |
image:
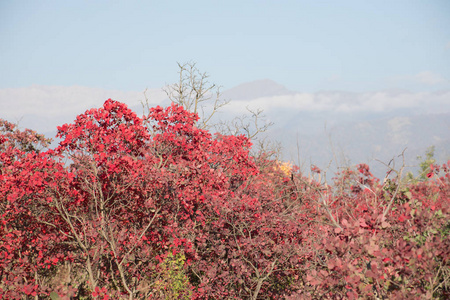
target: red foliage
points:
(100, 215)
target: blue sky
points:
(307, 46)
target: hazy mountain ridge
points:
(256, 89)
(385, 138)
(334, 128)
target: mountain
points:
(256, 89)
(374, 141)
(335, 129)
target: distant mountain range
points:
(333, 129)
(256, 89)
(329, 129)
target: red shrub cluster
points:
(153, 207)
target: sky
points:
(307, 46)
(303, 62)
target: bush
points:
(154, 207)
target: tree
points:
(425, 166)
(120, 193)
(426, 163)
(195, 93)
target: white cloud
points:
(343, 102)
(430, 78)
(45, 107)
(52, 105)
(427, 78)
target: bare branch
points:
(194, 92)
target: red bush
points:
(154, 207)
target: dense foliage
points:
(153, 207)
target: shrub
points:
(154, 207)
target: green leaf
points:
(54, 296)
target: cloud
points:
(52, 105)
(427, 78)
(430, 78)
(344, 102)
(42, 108)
